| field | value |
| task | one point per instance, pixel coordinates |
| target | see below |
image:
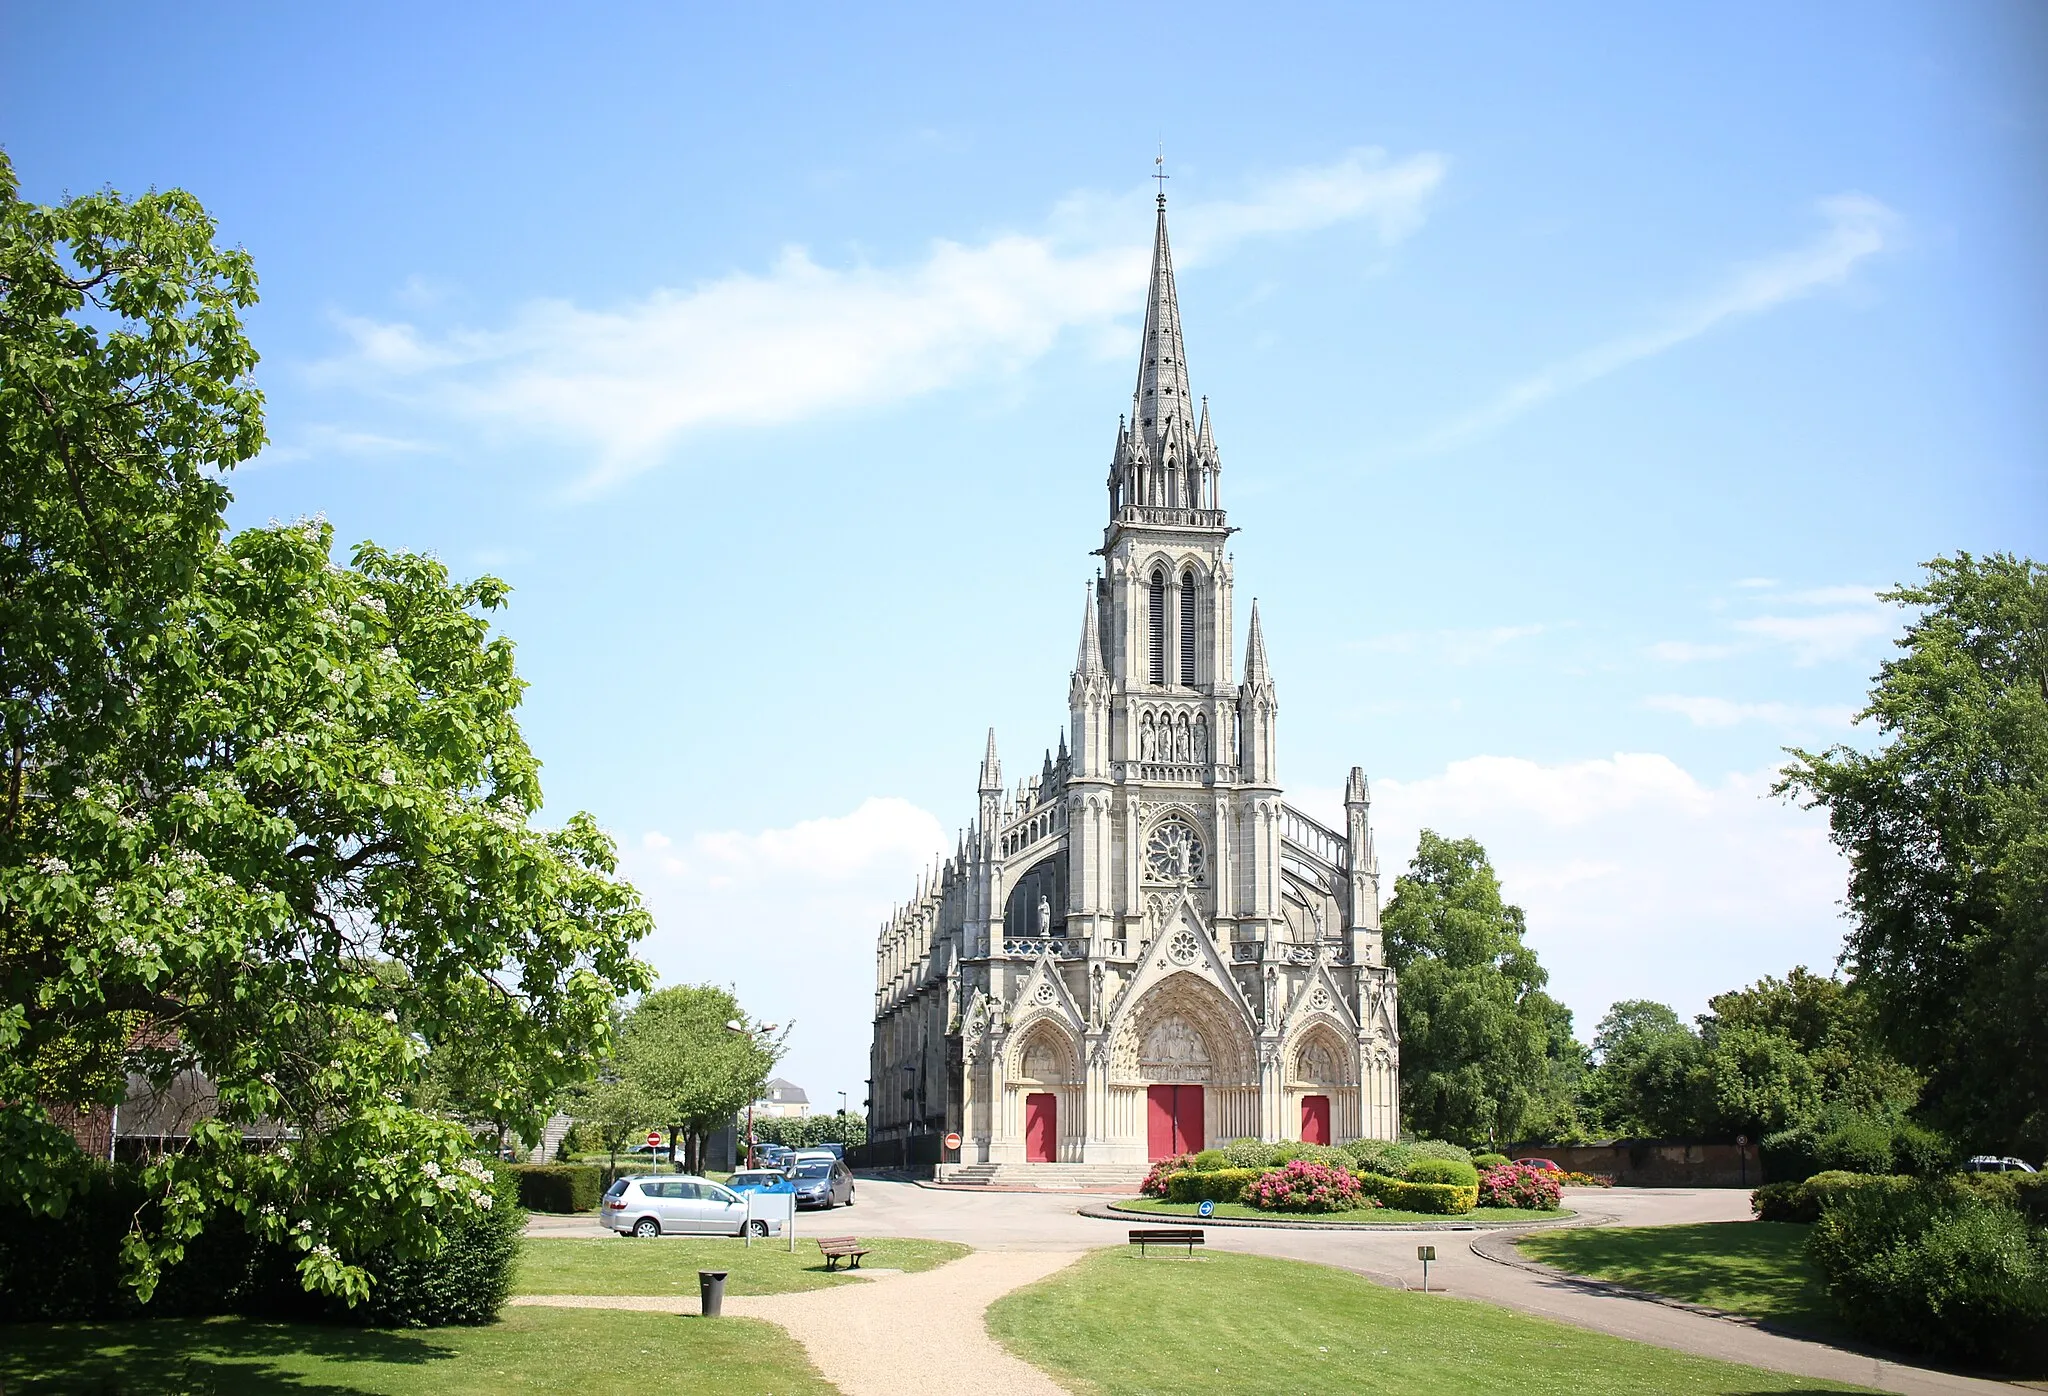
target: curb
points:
(1116, 1213)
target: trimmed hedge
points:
(1482, 1162)
(1443, 1170)
(1214, 1185)
(1934, 1267)
(559, 1187)
(1443, 1199)
(69, 1268)
(2025, 1193)
(1805, 1202)
(1209, 1161)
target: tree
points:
(265, 816)
(1945, 826)
(1828, 1024)
(685, 1060)
(1477, 1030)
(1648, 1075)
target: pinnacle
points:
(1255, 670)
(991, 766)
(1089, 661)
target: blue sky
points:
(1578, 376)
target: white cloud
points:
(1858, 228)
(788, 916)
(1723, 712)
(803, 338)
(329, 440)
(1639, 879)
(1854, 617)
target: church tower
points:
(1140, 947)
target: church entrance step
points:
(1049, 1177)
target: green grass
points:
(588, 1351)
(1221, 1323)
(669, 1265)
(1381, 1216)
(1754, 1268)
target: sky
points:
(1581, 374)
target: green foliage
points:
(1442, 1170)
(1438, 1148)
(1782, 1202)
(1209, 1160)
(2026, 1193)
(71, 1268)
(1248, 1153)
(1933, 1267)
(683, 1063)
(1441, 1199)
(1856, 1144)
(264, 816)
(1486, 1161)
(809, 1131)
(1290, 1150)
(1477, 1030)
(1647, 1082)
(559, 1187)
(1387, 1157)
(1219, 1185)
(1946, 830)
(1805, 1200)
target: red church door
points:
(1041, 1127)
(1315, 1119)
(1173, 1121)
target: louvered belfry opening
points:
(1157, 620)
(1187, 630)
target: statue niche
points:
(1174, 1051)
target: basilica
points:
(1141, 948)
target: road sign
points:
(654, 1139)
(1207, 1209)
(1425, 1254)
(953, 1141)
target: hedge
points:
(1444, 1199)
(559, 1187)
(1442, 1170)
(1213, 1185)
(1856, 1144)
(69, 1268)
(1934, 1267)
(1805, 1201)
(2025, 1193)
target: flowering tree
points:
(264, 817)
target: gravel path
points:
(898, 1333)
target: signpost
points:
(1742, 1156)
(1425, 1254)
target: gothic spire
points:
(1162, 400)
(991, 768)
(1088, 663)
(1255, 670)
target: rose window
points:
(1174, 852)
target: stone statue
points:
(1095, 995)
(1148, 740)
(1272, 995)
(1044, 915)
(1201, 738)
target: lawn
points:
(1755, 1268)
(1220, 1323)
(594, 1351)
(669, 1265)
(1380, 1216)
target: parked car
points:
(678, 1205)
(837, 1151)
(821, 1181)
(1546, 1165)
(1992, 1163)
(760, 1180)
(773, 1155)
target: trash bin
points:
(711, 1292)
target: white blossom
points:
(175, 897)
(201, 798)
(305, 1225)
(479, 1198)
(81, 793)
(431, 1169)
(387, 776)
(324, 1251)
(52, 866)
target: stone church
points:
(1141, 948)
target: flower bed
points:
(1514, 1185)
(1585, 1180)
(1306, 1187)
(1156, 1181)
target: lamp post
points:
(735, 1025)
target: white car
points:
(1993, 1163)
(679, 1206)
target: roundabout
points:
(1240, 1216)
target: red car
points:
(1543, 1163)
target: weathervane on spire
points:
(1159, 172)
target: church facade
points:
(1141, 948)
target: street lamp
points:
(735, 1025)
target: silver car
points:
(678, 1206)
(821, 1181)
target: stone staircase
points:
(1045, 1177)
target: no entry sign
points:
(654, 1139)
(953, 1141)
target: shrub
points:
(1856, 1144)
(466, 1281)
(1805, 1201)
(1923, 1152)
(1209, 1160)
(1485, 1161)
(1935, 1268)
(1783, 1202)
(1387, 1157)
(2025, 1193)
(1218, 1185)
(559, 1187)
(1303, 1186)
(1440, 1148)
(1325, 1154)
(1248, 1153)
(1512, 1185)
(1162, 1173)
(1445, 1199)
(1443, 1170)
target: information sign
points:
(1207, 1209)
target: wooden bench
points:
(1189, 1236)
(838, 1248)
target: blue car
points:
(760, 1180)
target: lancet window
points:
(1187, 629)
(1156, 619)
